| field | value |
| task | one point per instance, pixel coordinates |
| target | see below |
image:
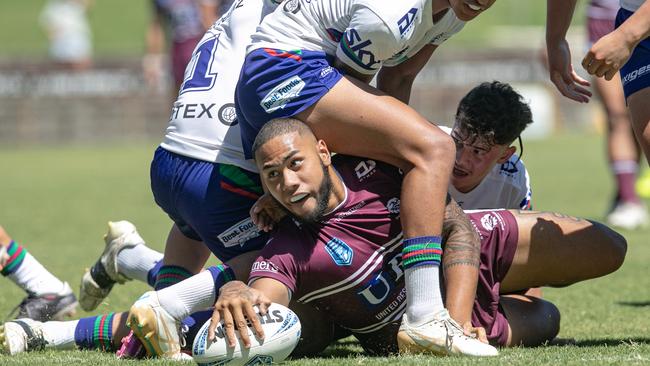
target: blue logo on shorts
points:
(340, 252)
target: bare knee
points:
(612, 249)
(532, 321)
(434, 150)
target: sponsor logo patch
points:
(365, 169)
(631, 76)
(282, 94)
(508, 168)
(239, 233)
(340, 252)
(326, 71)
(405, 23)
(264, 266)
(490, 220)
(227, 114)
(393, 205)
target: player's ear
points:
(324, 152)
(507, 153)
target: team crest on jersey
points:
(340, 252)
(406, 22)
(393, 205)
(365, 169)
(490, 220)
(239, 233)
(227, 114)
(282, 94)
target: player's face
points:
(469, 9)
(294, 169)
(475, 157)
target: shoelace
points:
(35, 342)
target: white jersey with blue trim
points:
(631, 5)
(203, 121)
(363, 34)
(505, 186)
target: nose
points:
(463, 155)
(290, 181)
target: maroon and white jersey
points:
(348, 265)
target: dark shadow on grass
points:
(634, 304)
(610, 342)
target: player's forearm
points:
(637, 27)
(460, 262)
(558, 18)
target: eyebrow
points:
(284, 159)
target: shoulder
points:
(514, 173)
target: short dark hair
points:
(278, 127)
(494, 112)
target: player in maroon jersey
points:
(338, 250)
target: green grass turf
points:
(56, 202)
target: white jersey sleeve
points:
(367, 41)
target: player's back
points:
(369, 30)
(203, 122)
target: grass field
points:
(56, 202)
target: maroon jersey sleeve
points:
(284, 256)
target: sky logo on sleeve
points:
(340, 252)
(354, 47)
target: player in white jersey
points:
(295, 67)
(199, 175)
(487, 172)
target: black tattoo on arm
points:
(461, 244)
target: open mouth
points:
(459, 173)
(298, 197)
(475, 7)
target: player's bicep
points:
(275, 290)
(366, 43)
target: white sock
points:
(60, 335)
(32, 277)
(137, 261)
(191, 295)
(423, 296)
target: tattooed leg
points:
(559, 250)
(460, 262)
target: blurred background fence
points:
(44, 103)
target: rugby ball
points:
(281, 334)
